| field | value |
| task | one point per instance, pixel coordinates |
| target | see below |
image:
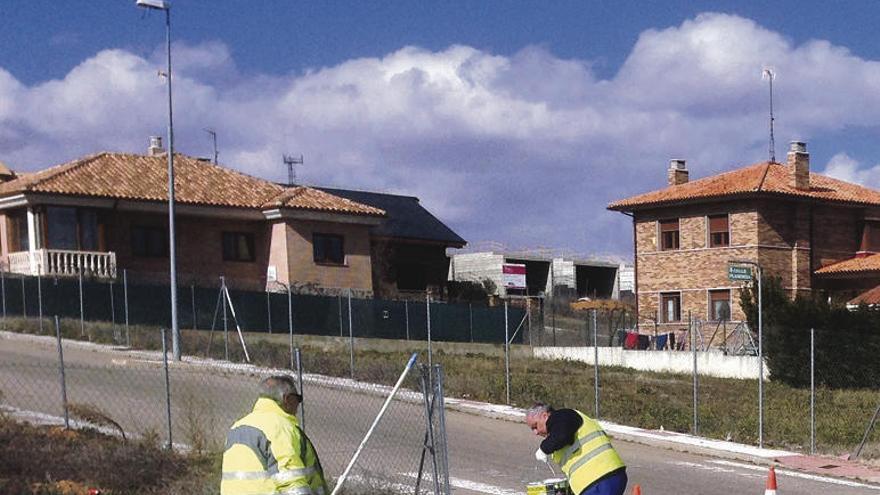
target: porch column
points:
(32, 239)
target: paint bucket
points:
(552, 486)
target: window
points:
(719, 231)
(719, 305)
(669, 234)
(670, 307)
(328, 249)
(148, 242)
(238, 246)
(18, 231)
(871, 236)
(61, 228)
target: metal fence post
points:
(694, 351)
(3, 289)
(596, 359)
(40, 301)
(406, 315)
(812, 391)
(23, 299)
(350, 337)
(299, 373)
(339, 301)
(61, 373)
(430, 442)
(225, 323)
(82, 324)
(268, 310)
(290, 324)
(125, 297)
(760, 361)
(471, 320)
(113, 314)
(167, 387)
(428, 319)
(192, 288)
(440, 404)
(506, 354)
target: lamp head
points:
(154, 4)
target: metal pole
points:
(125, 295)
(299, 372)
(406, 315)
(760, 363)
(268, 311)
(506, 354)
(290, 324)
(23, 299)
(428, 313)
(82, 324)
(3, 289)
(596, 359)
(553, 300)
(430, 427)
(440, 404)
(192, 288)
(172, 248)
(61, 373)
(40, 301)
(471, 320)
(812, 391)
(225, 323)
(341, 479)
(167, 386)
(112, 311)
(339, 301)
(350, 337)
(694, 351)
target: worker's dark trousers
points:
(613, 484)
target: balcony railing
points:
(63, 263)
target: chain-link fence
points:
(191, 404)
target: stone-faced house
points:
(813, 232)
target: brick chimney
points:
(799, 162)
(677, 173)
(155, 148)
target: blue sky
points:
(514, 122)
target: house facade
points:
(107, 212)
(815, 233)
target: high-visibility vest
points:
(589, 457)
(267, 453)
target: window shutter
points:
(669, 225)
(718, 224)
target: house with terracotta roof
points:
(816, 234)
(107, 212)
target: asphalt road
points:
(485, 455)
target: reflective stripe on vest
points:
(589, 457)
(578, 444)
(254, 439)
(245, 475)
(292, 474)
(302, 490)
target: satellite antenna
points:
(769, 74)
(213, 134)
(291, 160)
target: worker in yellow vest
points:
(580, 447)
(267, 452)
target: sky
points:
(514, 122)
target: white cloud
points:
(526, 149)
(842, 166)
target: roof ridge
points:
(763, 176)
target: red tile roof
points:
(870, 297)
(197, 182)
(761, 178)
(869, 263)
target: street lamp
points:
(760, 350)
(172, 252)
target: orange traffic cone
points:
(771, 482)
(637, 490)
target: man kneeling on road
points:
(580, 446)
(267, 452)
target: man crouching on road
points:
(580, 447)
(267, 452)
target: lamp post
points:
(760, 347)
(172, 252)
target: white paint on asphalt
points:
(797, 474)
(474, 486)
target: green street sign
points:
(739, 272)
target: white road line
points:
(473, 486)
(797, 474)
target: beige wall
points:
(356, 273)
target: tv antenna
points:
(213, 134)
(290, 161)
(770, 75)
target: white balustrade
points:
(63, 263)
